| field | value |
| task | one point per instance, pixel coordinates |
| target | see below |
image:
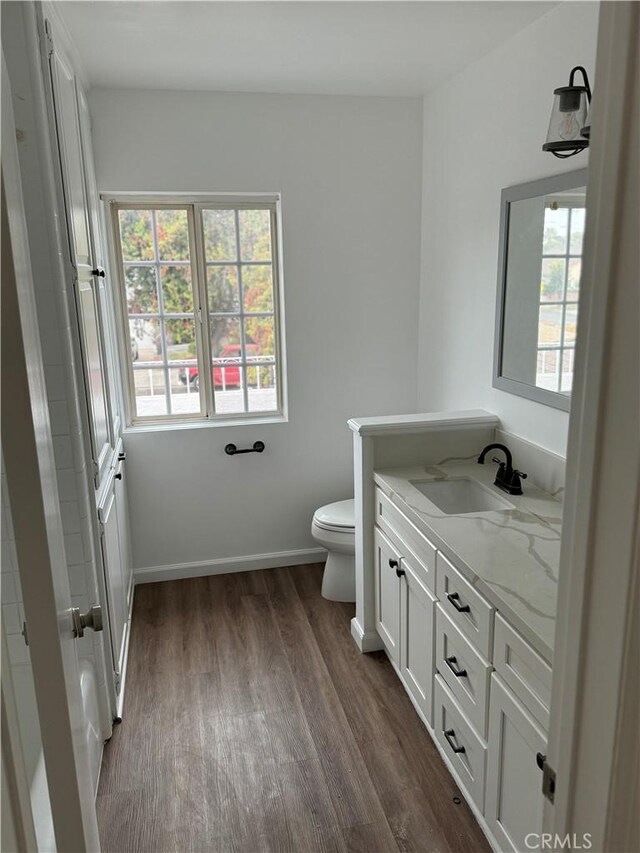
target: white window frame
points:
(195, 204)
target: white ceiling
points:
(342, 48)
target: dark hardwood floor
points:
(252, 723)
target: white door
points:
(387, 591)
(32, 487)
(416, 645)
(87, 289)
(514, 801)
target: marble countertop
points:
(511, 556)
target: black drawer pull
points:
(400, 572)
(232, 450)
(452, 663)
(393, 564)
(454, 597)
(450, 735)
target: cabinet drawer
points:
(463, 747)
(406, 535)
(465, 671)
(465, 606)
(523, 670)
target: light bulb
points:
(569, 126)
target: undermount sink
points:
(461, 495)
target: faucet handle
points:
(515, 487)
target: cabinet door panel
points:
(122, 508)
(78, 217)
(101, 283)
(93, 366)
(416, 647)
(70, 148)
(387, 592)
(116, 592)
(514, 781)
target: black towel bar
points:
(232, 450)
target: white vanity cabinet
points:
(480, 687)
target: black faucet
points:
(507, 478)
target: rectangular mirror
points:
(541, 234)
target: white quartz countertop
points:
(511, 556)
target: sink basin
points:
(461, 495)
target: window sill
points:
(135, 429)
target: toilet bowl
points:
(333, 527)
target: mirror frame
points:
(532, 189)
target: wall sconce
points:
(569, 118)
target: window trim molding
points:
(195, 203)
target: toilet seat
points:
(338, 517)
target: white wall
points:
(349, 170)
(483, 130)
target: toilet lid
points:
(339, 514)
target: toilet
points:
(333, 527)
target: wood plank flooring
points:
(252, 723)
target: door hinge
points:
(48, 38)
(25, 633)
(116, 678)
(548, 777)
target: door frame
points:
(595, 674)
(33, 495)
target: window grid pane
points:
(559, 290)
(163, 341)
(242, 312)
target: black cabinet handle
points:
(99, 272)
(118, 476)
(400, 572)
(450, 735)
(452, 663)
(454, 598)
(393, 564)
(122, 456)
(540, 760)
(232, 450)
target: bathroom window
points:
(559, 290)
(200, 296)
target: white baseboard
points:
(366, 642)
(226, 565)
